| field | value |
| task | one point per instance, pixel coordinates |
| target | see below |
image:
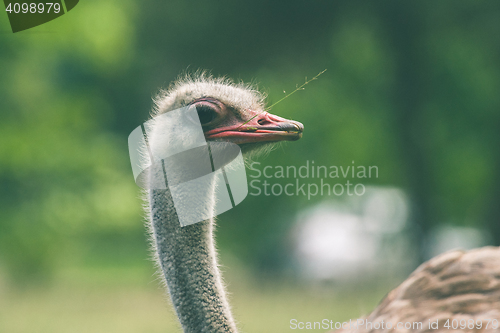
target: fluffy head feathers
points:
(188, 88)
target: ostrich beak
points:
(262, 127)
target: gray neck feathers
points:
(188, 259)
(186, 255)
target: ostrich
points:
(453, 285)
(187, 255)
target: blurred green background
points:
(411, 87)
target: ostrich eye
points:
(205, 113)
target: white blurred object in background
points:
(348, 239)
(340, 240)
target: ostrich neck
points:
(188, 259)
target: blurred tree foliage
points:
(411, 88)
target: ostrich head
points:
(228, 112)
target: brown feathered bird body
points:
(454, 292)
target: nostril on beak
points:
(262, 121)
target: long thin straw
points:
(290, 94)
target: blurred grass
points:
(129, 299)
